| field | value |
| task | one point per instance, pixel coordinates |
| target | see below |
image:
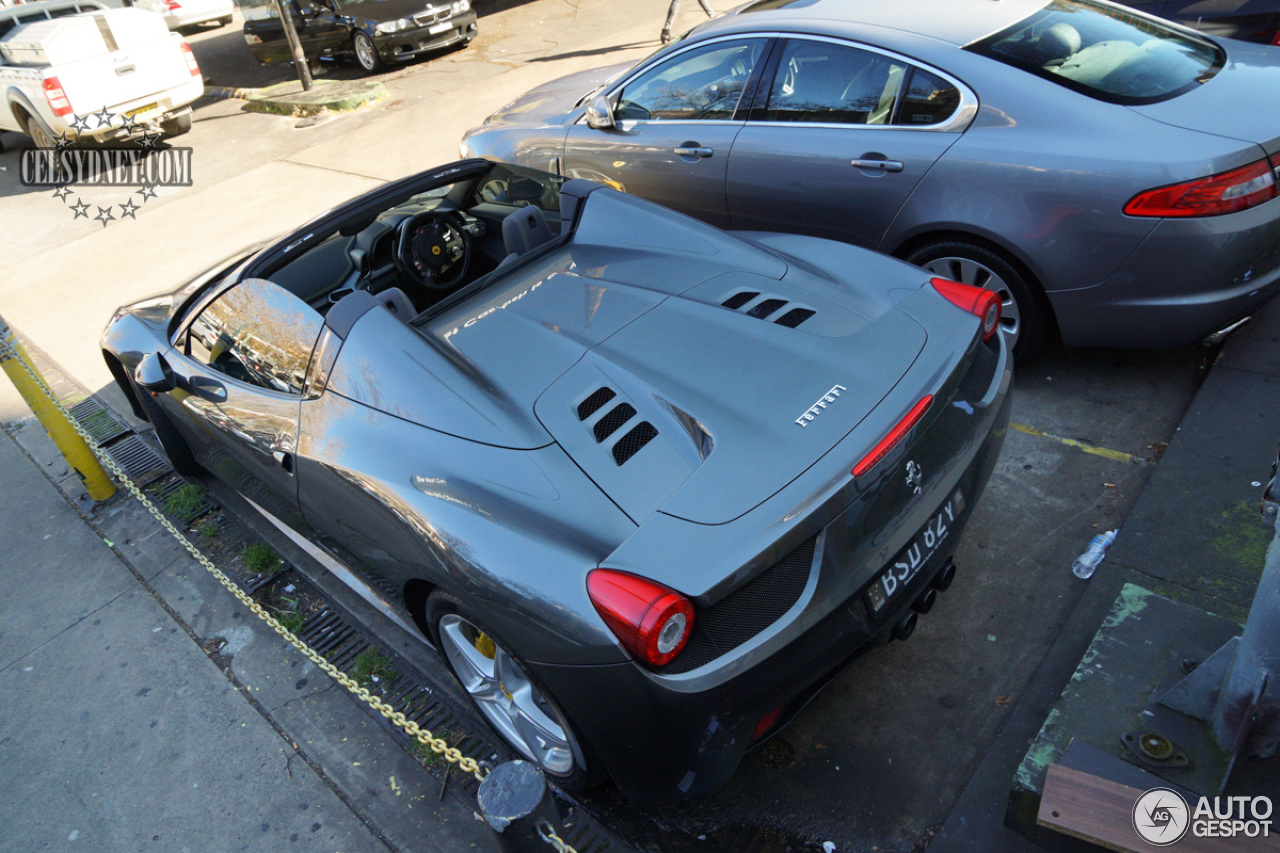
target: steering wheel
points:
(432, 251)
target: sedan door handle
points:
(694, 152)
(883, 165)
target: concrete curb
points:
(335, 96)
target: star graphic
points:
(147, 191)
(129, 209)
(104, 117)
(80, 123)
(150, 140)
(104, 216)
(80, 209)
(130, 125)
(62, 143)
(61, 193)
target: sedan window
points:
(824, 82)
(704, 83)
(1105, 52)
(257, 333)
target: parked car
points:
(1110, 175)
(97, 75)
(645, 484)
(26, 13)
(178, 14)
(376, 33)
(1251, 20)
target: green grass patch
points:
(208, 530)
(186, 501)
(372, 664)
(425, 754)
(260, 559)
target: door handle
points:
(694, 151)
(208, 389)
(882, 165)
(285, 460)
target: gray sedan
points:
(646, 486)
(1111, 175)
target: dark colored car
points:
(1112, 176)
(646, 484)
(1250, 20)
(376, 33)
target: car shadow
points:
(600, 51)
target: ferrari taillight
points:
(895, 435)
(1239, 189)
(985, 304)
(652, 621)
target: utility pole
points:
(295, 46)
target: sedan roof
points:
(957, 22)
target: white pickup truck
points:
(98, 75)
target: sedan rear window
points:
(1105, 52)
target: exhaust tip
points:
(906, 625)
(925, 602)
(945, 577)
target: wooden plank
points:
(1101, 812)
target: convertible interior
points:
(426, 245)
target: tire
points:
(499, 686)
(171, 441)
(43, 137)
(1025, 317)
(176, 126)
(366, 53)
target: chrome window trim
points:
(957, 122)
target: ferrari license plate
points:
(904, 568)
(437, 29)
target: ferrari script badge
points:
(915, 477)
(825, 400)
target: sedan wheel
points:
(1022, 317)
(497, 683)
(366, 53)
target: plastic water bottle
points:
(1087, 562)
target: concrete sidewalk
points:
(118, 732)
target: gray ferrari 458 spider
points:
(646, 485)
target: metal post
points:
(37, 396)
(295, 46)
(514, 800)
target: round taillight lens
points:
(652, 621)
(983, 303)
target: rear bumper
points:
(407, 44)
(662, 737)
(1188, 279)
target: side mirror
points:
(154, 375)
(600, 113)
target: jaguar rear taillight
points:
(985, 304)
(1228, 192)
(56, 96)
(652, 621)
(895, 435)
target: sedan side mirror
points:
(600, 113)
(154, 375)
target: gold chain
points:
(548, 834)
(421, 735)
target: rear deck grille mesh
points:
(765, 308)
(593, 404)
(794, 317)
(741, 615)
(629, 445)
(739, 299)
(609, 424)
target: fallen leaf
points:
(1002, 700)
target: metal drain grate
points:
(140, 462)
(98, 422)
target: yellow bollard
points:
(39, 399)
